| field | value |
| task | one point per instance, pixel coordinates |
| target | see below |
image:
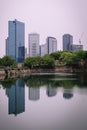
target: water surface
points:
(44, 102)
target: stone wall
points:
(59, 69)
(26, 72)
(18, 72)
(2, 74)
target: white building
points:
(43, 50)
(33, 44)
(51, 44)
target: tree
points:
(8, 61)
(56, 55)
(48, 61)
(67, 57)
(32, 61)
(39, 62)
(81, 55)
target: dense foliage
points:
(59, 58)
(56, 59)
(39, 62)
(7, 61)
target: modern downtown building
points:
(33, 44)
(15, 43)
(67, 42)
(43, 49)
(51, 44)
(76, 47)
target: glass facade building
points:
(15, 43)
(76, 47)
(67, 42)
(51, 44)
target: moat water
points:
(44, 102)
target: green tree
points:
(48, 61)
(67, 57)
(56, 55)
(80, 55)
(32, 62)
(39, 62)
(8, 61)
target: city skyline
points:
(48, 18)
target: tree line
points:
(56, 59)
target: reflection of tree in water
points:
(83, 79)
(7, 83)
(66, 81)
(40, 80)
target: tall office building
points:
(33, 44)
(51, 44)
(76, 47)
(15, 43)
(43, 49)
(7, 47)
(67, 42)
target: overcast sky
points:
(46, 17)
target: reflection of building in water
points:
(67, 95)
(16, 96)
(34, 93)
(51, 91)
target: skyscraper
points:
(67, 42)
(15, 43)
(51, 44)
(33, 44)
(76, 47)
(43, 49)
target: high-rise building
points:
(51, 44)
(7, 47)
(33, 44)
(76, 47)
(15, 43)
(43, 49)
(67, 42)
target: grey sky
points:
(46, 17)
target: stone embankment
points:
(18, 72)
(25, 72)
(55, 70)
(2, 74)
